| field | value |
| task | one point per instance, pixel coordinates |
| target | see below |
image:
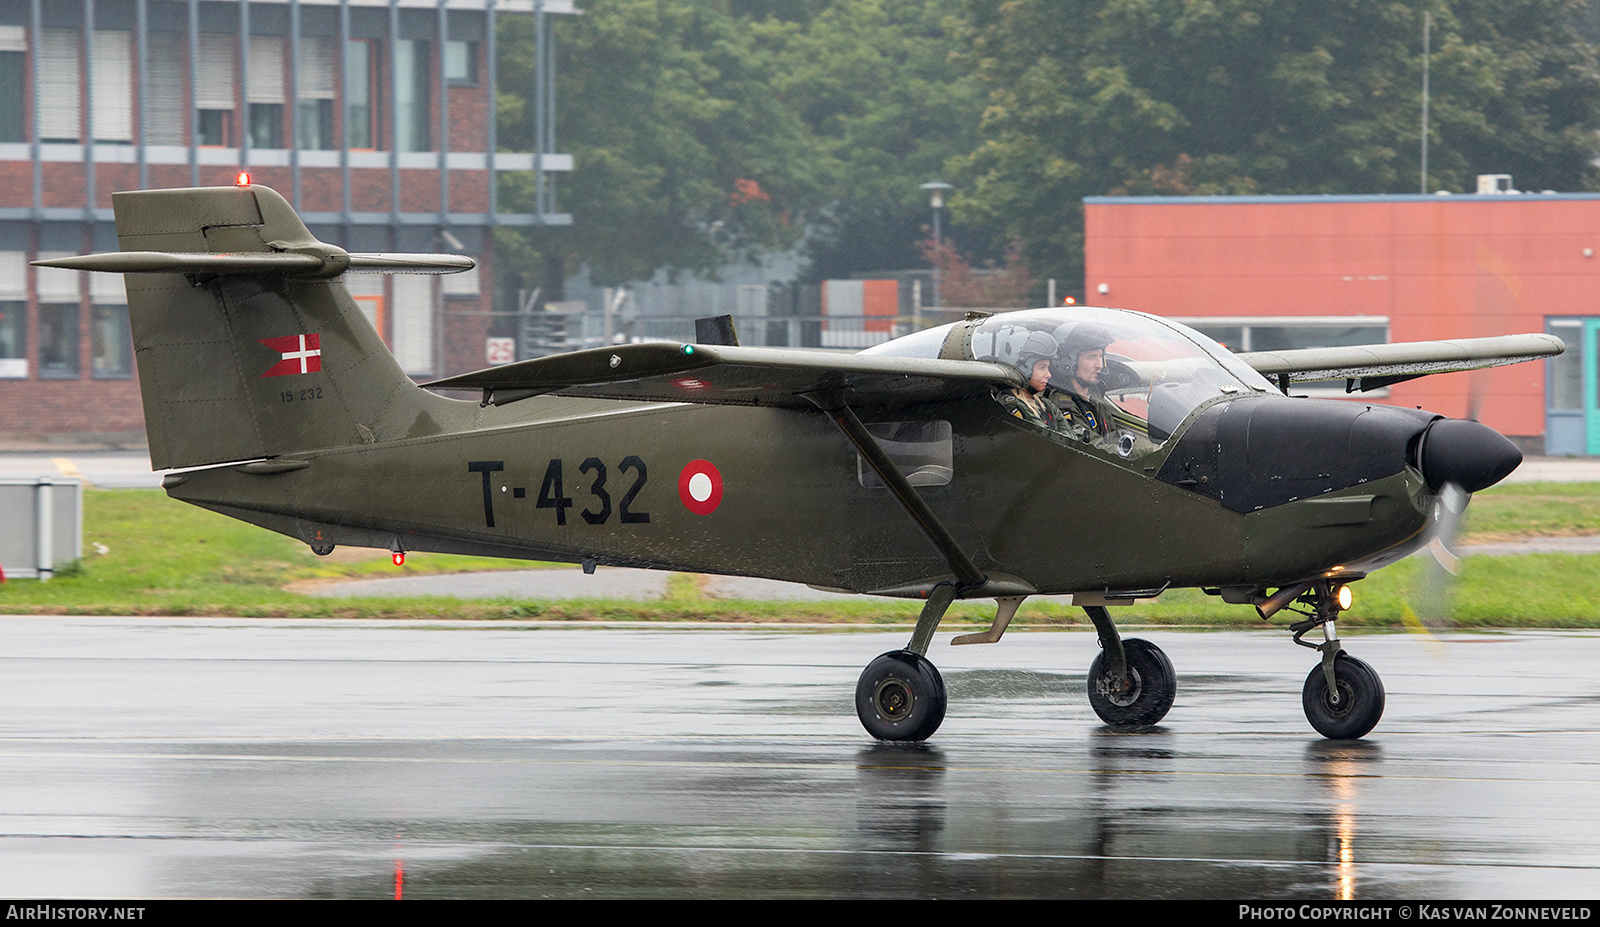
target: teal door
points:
(1591, 383)
(1571, 396)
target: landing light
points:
(1344, 597)
(399, 558)
(243, 180)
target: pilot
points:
(1079, 375)
(1030, 352)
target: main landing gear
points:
(901, 695)
(1343, 697)
(1142, 693)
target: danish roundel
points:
(700, 487)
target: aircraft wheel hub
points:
(893, 698)
(1121, 692)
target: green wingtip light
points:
(688, 349)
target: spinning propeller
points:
(1457, 457)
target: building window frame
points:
(1267, 333)
(59, 341)
(461, 62)
(13, 339)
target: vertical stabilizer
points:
(243, 365)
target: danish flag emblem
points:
(301, 354)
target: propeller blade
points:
(1448, 508)
(1438, 570)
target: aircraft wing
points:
(1367, 367)
(727, 375)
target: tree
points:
(874, 83)
(1264, 96)
(682, 152)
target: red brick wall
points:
(1455, 267)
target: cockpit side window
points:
(923, 451)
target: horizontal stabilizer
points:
(726, 375)
(330, 262)
(1403, 360)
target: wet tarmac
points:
(254, 758)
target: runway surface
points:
(256, 758)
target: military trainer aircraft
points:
(1098, 453)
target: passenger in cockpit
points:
(1030, 352)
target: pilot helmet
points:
(1076, 338)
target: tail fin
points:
(248, 346)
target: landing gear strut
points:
(900, 695)
(1343, 697)
(1131, 682)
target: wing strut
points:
(967, 574)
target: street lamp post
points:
(936, 190)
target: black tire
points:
(1152, 686)
(900, 697)
(1360, 694)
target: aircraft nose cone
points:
(1469, 454)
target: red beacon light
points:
(243, 180)
(399, 558)
(1070, 301)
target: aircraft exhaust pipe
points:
(1269, 605)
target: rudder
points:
(256, 363)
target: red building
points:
(1265, 273)
(373, 117)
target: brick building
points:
(1277, 272)
(373, 117)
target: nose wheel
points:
(1352, 707)
(1343, 696)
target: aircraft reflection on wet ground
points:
(174, 757)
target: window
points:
(266, 125)
(358, 93)
(111, 119)
(367, 291)
(13, 315)
(314, 83)
(13, 339)
(112, 343)
(58, 318)
(214, 94)
(266, 91)
(1566, 370)
(1291, 333)
(216, 127)
(1279, 333)
(165, 106)
(921, 451)
(110, 338)
(413, 322)
(13, 59)
(414, 132)
(58, 86)
(58, 341)
(461, 284)
(461, 63)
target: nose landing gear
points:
(1343, 698)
